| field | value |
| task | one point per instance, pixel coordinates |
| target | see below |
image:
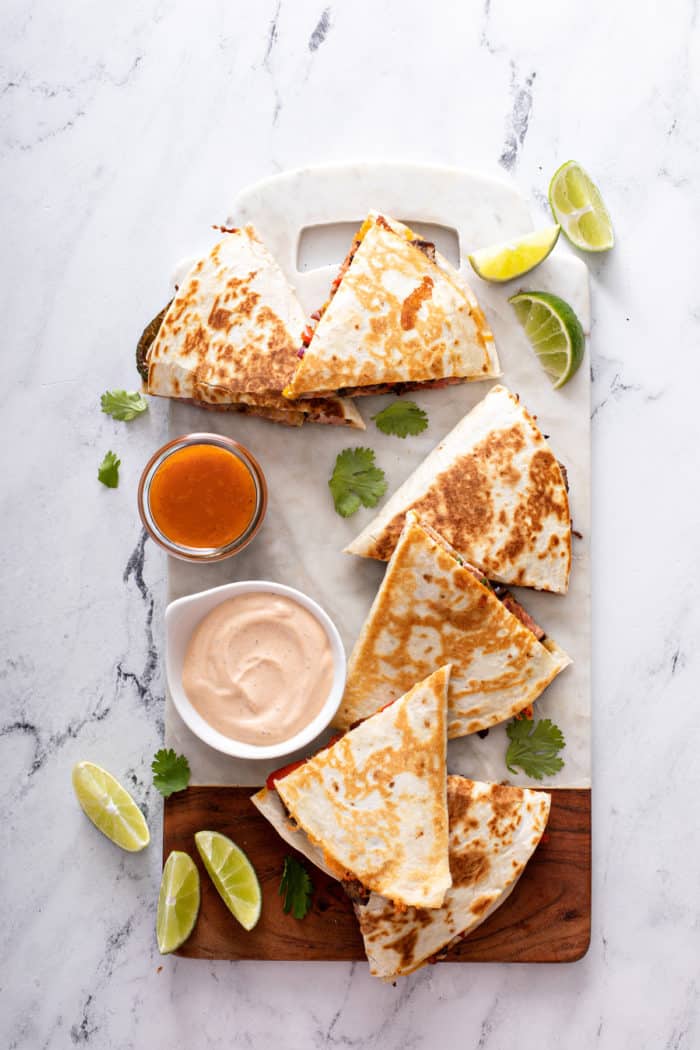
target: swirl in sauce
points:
(258, 668)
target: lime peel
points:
(553, 331)
(510, 259)
(178, 902)
(110, 807)
(577, 205)
(232, 874)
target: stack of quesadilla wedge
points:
(375, 802)
(399, 317)
(493, 832)
(230, 338)
(433, 608)
(494, 489)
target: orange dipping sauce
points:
(202, 496)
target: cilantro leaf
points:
(296, 888)
(171, 772)
(534, 747)
(108, 470)
(401, 418)
(356, 480)
(120, 405)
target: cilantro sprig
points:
(108, 470)
(401, 418)
(356, 481)
(534, 747)
(122, 405)
(296, 888)
(171, 772)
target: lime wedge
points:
(178, 902)
(504, 262)
(110, 807)
(578, 207)
(554, 332)
(232, 874)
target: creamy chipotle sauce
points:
(258, 668)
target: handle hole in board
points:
(327, 244)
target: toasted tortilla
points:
(272, 808)
(494, 489)
(375, 802)
(494, 830)
(231, 335)
(431, 609)
(398, 316)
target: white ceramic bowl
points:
(181, 618)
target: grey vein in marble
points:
(321, 31)
(485, 34)
(142, 682)
(519, 119)
(272, 35)
(50, 121)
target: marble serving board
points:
(302, 538)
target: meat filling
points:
(427, 247)
(562, 468)
(396, 388)
(516, 609)
(357, 893)
(507, 599)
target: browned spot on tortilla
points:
(479, 906)
(506, 804)
(544, 499)
(413, 302)
(469, 867)
(405, 947)
(378, 325)
(459, 504)
(219, 318)
(459, 799)
(507, 801)
(247, 304)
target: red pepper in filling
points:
(283, 771)
(361, 720)
(278, 774)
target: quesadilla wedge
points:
(229, 339)
(399, 317)
(374, 802)
(433, 608)
(494, 489)
(494, 830)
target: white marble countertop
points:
(122, 137)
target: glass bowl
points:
(202, 554)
